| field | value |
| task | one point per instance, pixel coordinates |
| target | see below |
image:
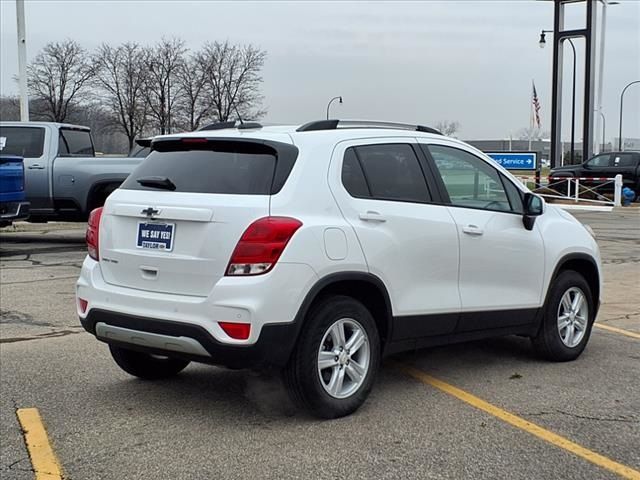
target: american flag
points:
(536, 106)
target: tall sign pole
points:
(560, 35)
(22, 62)
(600, 117)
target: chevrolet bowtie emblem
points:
(150, 212)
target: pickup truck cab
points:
(64, 178)
(13, 205)
(605, 165)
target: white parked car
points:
(322, 248)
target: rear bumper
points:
(10, 211)
(142, 319)
(193, 342)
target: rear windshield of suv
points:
(25, 142)
(242, 172)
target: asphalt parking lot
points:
(487, 409)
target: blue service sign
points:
(515, 161)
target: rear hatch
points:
(175, 221)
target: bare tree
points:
(233, 79)
(163, 90)
(196, 101)
(123, 78)
(59, 76)
(534, 132)
(448, 128)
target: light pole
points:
(603, 129)
(22, 62)
(330, 102)
(621, 105)
(603, 30)
(542, 43)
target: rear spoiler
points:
(144, 142)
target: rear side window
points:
(241, 172)
(624, 160)
(391, 172)
(75, 142)
(352, 175)
(25, 142)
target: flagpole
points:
(531, 115)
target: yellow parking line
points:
(44, 461)
(618, 330)
(521, 423)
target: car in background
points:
(604, 165)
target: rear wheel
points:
(568, 318)
(145, 365)
(333, 367)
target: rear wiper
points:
(157, 182)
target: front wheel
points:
(568, 318)
(332, 369)
(145, 365)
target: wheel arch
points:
(364, 287)
(95, 192)
(586, 266)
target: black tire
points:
(549, 343)
(146, 366)
(301, 375)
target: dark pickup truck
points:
(605, 165)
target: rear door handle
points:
(372, 217)
(36, 166)
(472, 230)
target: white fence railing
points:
(575, 188)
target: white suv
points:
(321, 248)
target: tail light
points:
(261, 245)
(93, 233)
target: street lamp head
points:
(543, 40)
(340, 98)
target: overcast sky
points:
(470, 61)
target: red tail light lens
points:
(93, 233)
(261, 245)
(83, 304)
(239, 331)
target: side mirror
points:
(533, 207)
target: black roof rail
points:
(336, 124)
(231, 124)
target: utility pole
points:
(22, 62)
(603, 29)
